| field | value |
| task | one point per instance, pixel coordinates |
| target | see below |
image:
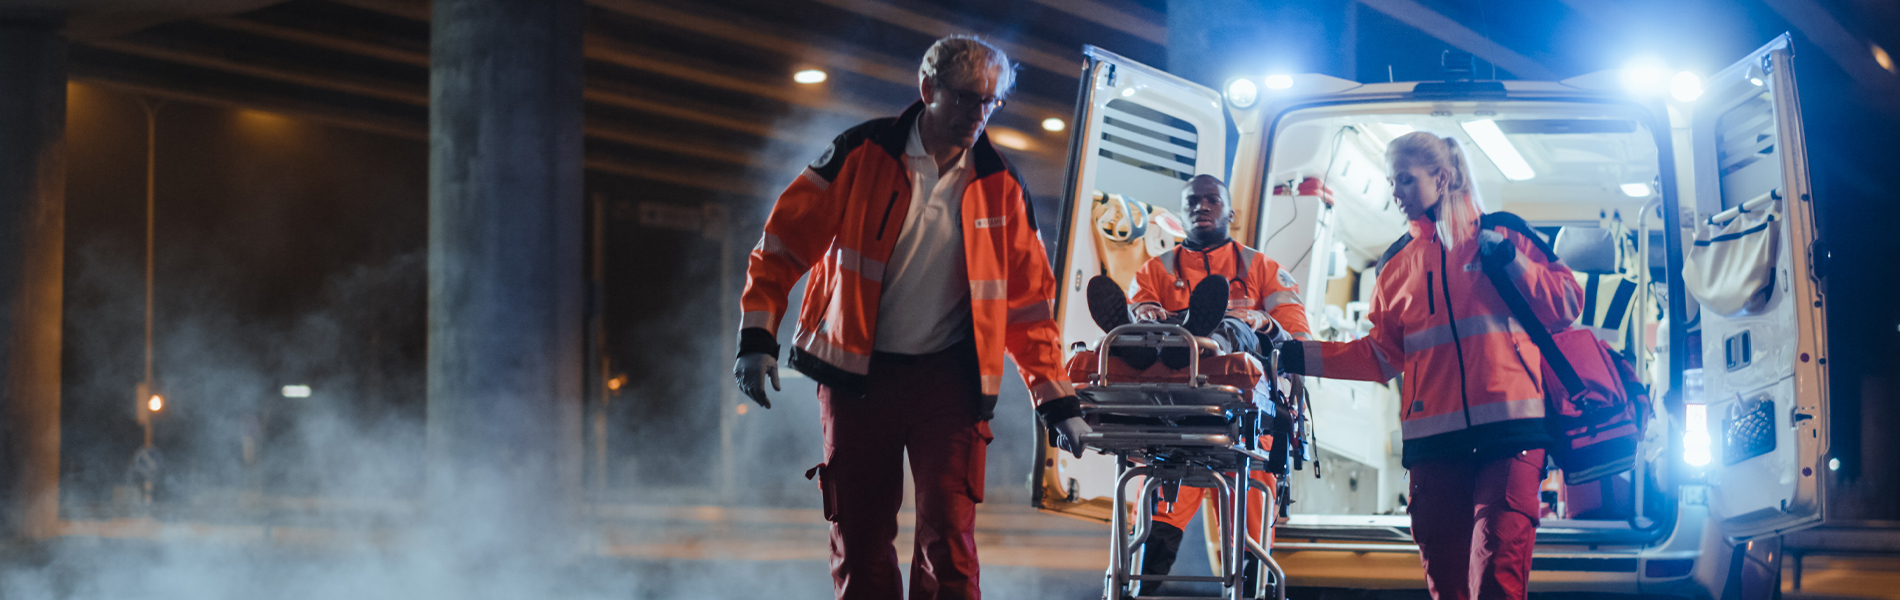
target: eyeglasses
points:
(971, 100)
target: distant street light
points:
(156, 403)
(809, 76)
(296, 391)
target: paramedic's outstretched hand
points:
(1495, 248)
(751, 371)
(1069, 434)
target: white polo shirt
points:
(925, 307)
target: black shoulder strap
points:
(1393, 250)
(1516, 223)
(1521, 308)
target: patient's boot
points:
(1108, 305)
(1207, 305)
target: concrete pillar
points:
(505, 286)
(32, 242)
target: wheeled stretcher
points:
(1212, 425)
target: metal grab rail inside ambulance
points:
(1330, 216)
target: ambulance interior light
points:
(1491, 140)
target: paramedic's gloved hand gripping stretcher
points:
(1063, 418)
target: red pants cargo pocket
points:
(979, 460)
(828, 498)
(1523, 482)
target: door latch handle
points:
(1796, 416)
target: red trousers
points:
(926, 405)
(1188, 502)
(1475, 522)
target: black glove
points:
(1062, 418)
(1495, 249)
(751, 371)
(1292, 357)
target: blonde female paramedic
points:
(1472, 406)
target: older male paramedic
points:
(925, 270)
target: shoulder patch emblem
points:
(1286, 279)
(825, 158)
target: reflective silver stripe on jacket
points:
(772, 244)
(1482, 414)
(989, 289)
(1030, 313)
(1468, 327)
(759, 319)
(852, 362)
(850, 260)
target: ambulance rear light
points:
(1695, 435)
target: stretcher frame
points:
(1169, 452)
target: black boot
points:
(1164, 542)
(1207, 305)
(1108, 305)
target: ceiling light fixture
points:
(1491, 140)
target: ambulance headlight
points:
(1695, 435)
(1685, 87)
(1645, 76)
(1242, 92)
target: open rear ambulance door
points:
(1764, 372)
(1139, 135)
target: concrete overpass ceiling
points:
(105, 18)
(678, 92)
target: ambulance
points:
(1683, 204)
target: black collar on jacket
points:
(1191, 244)
(986, 160)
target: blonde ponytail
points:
(1460, 209)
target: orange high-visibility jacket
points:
(1254, 282)
(1473, 379)
(840, 220)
